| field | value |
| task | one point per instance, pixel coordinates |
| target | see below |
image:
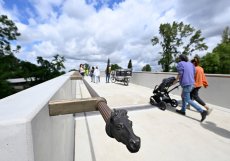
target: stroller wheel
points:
(162, 105)
(152, 101)
(174, 103)
(126, 82)
(113, 80)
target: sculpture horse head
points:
(120, 128)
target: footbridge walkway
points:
(28, 132)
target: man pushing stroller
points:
(186, 74)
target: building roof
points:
(20, 80)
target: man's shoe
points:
(180, 112)
(203, 115)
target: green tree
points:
(115, 66)
(226, 35)
(57, 62)
(130, 66)
(147, 68)
(26, 69)
(210, 62)
(86, 66)
(48, 70)
(9, 66)
(219, 60)
(8, 33)
(175, 39)
(223, 52)
(44, 70)
(12, 67)
(8, 62)
(107, 67)
(5, 89)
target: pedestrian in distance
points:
(92, 74)
(82, 70)
(107, 73)
(97, 75)
(200, 80)
(186, 75)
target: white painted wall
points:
(28, 133)
(217, 92)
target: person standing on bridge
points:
(200, 80)
(82, 70)
(186, 75)
(107, 73)
(97, 75)
(92, 74)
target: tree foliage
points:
(5, 88)
(86, 66)
(115, 66)
(226, 35)
(107, 67)
(210, 62)
(12, 67)
(176, 39)
(223, 52)
(58, 62)
(8, 33)
(48, 70)
(219, 60)
(130, 65)
(147, 68)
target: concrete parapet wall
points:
(217, 92)
(28, 133)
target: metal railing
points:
(118, 125)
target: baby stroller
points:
(161, 94)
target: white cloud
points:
(77, 9)
(45, 9)
(83, 35)
(45, 48)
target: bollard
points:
(118, 125)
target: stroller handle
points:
(174, 88)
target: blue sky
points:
(100, 3)
(92, 31)
(26, 7)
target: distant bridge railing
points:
(216, 93)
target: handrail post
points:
(118, 125)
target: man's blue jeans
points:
(186, 99)
(107, 78)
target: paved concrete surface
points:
(165, 135)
